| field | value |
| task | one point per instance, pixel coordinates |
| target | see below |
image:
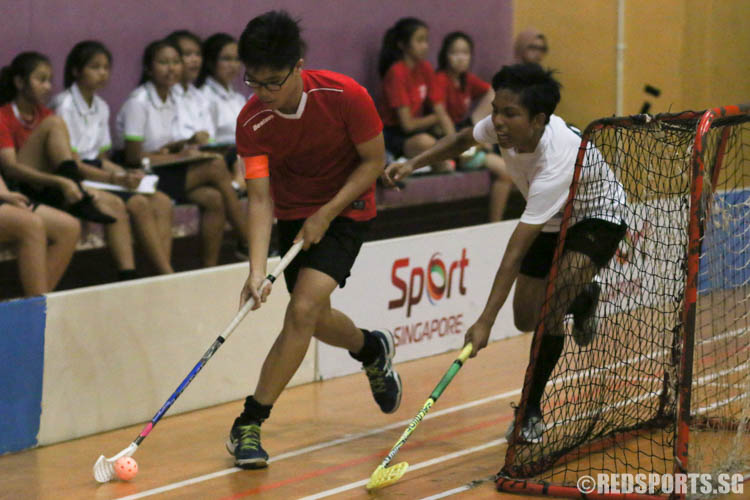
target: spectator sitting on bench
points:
(35, 155)
(457, 88)
(221, 67)
(146, 128)
(86, 114)
(411, 123)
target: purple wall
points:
(342, 35)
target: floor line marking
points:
(327, 444)
(417, 466)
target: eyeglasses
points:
(272, 86)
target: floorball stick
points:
(104, 470)
(384, 475)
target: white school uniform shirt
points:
(544, 177)
(146, 118)
(193, 113)
(224, 106)
(88, 125)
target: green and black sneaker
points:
(244, 444)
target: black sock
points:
(127, 274)
(371, 349)
(549, 353)
(254, 412)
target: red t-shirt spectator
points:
(404, 86)
(457, 101)
(310, 155)
(13, 130)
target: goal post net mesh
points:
(664, 384)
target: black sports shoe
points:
(85, 209)
(385, 382)
(531, 430)
(584, 320)
(244, 444)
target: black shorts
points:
(334, 255)
(395, 138)
(172, 181)
(596, 238)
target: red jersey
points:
(404, 86)
(310, 155)
(14, 131)
(456, 100)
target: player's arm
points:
(260, 221)
(448, 147)
(372, 159)
(520, 242)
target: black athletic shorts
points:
(334, 255)
(395, 138)
(596, 238)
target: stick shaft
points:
(455, 366)
(293, 251)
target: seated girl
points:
(146, 128)
(87, 70)
(220, 69)
(411, 123)
(460, 90)
(36, 156)
(194, 122)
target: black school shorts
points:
(334, 255)
(596, 238)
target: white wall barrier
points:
(427, 289)
(114, 353)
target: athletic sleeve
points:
(438, 89)
(484, 131)
(395, 87)
(254, 160)
(6, 136)
(476, 86)
(134, 121)
(360, 115)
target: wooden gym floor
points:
(325, 439)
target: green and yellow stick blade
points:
(385, 475)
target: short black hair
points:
(271, 40)
(538, 89)
(79, 57)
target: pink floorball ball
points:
(126, 468)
